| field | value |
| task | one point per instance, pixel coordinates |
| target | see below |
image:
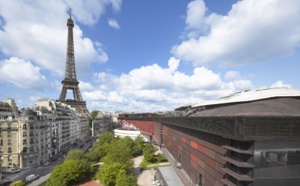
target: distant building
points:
(102, 123)
(135, 124)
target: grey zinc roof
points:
(268, 107)
(252, 95)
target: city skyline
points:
(148, 56)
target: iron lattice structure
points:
(70, 81)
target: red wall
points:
(199, 154)
(143, 126)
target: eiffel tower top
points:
(70, 20)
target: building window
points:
(9, 150)
(9, 142)
(24, 134)
(1, 158)
(8, 134)
(1, 142)
(25, 149)
(24, 141)
(24, 126)
(9, 158)
(1, 150)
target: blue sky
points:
(148, 56)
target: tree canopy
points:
(70, 172)
(75, 155)
(94, 114)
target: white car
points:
(32, 177)
(47, 163)
(12, 170)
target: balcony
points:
(237, 150)
(238, 163)
(237, 176)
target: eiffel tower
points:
(70, 82)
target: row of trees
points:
(116, 170)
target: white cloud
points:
(153, 88)
(173, 64)
(85, 86)
(252, 31)
(89, 11)
(21, 73)
(113, 23)
(93, 95)
(230, 75)
(195, 14)
(281, 84)
(241, 85)
(37, 32)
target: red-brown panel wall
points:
(144, 126)
(200, 153)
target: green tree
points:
(106, 137)
(123, 179)
(119, 151)
(109, 173)
(139, 142)
(149, 152)
(70, 172)
(93, 154)
(94, 114)
(75, 155)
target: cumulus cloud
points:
(173, 64)
(195, 14)
(89, 11)
(232, 75)
(154, 88)
(37, 32)
(113, 23)
(252, 31)
(21, 73)
(85, 86)
(281, 84)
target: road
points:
(43, 171)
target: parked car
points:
(12, 170)
(47, 163)
(32, 177)
(18, 183)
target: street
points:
(42, 170)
